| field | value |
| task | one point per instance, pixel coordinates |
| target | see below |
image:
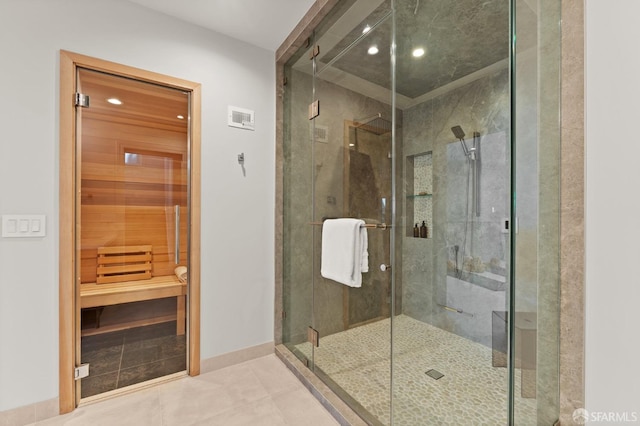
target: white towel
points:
(345, 253)
(181, 273)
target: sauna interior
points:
(132, 209)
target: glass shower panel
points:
(536, 78)
(132, 230)
(450, 332)
(297, 215)
(352, 179)
(347, 22)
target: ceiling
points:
(263, 23)
(462, 41)
(458, 37)
(144, 104)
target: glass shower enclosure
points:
(427, 120)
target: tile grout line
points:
(159, 362)
(347, 380)
(124, 340)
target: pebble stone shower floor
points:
(471, 392)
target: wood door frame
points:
(68, 308)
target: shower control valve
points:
(384, 267)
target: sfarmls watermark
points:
(582, 416)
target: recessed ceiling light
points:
(366, 29)
(418, 52)
(181, 117)
(373, 50)
(114, 101)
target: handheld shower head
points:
(458, 132)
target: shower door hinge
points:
(284, 81)
(284, 314)
(313, 336)
(314, 110)
(82, 100)
(81, 372)
(315, 51)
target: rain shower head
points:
(374, 124)
(458, 132)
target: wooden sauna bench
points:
(94, 295)
(115, 289)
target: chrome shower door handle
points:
(177, 238)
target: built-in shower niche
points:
(419, 193)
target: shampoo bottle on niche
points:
(423, 230)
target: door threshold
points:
(131, 389)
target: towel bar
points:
(366, 225)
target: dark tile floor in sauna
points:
(127, 357)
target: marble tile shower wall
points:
(485, 241)
(481, 106)
(326, 176)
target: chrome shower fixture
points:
(375, 124)
(473, 155)
(459, 134)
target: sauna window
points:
(131, 159)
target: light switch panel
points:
(23, 226)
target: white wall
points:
(613, 206)
(237, 210)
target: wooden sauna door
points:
(133, 164)
(134, 265)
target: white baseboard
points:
(50, 408)
(31, 413)
(236, 357)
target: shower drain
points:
(434, 374)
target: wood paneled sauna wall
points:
(133, 172)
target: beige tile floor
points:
(258, 392)
(472, 391)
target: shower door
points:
(353, 178)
